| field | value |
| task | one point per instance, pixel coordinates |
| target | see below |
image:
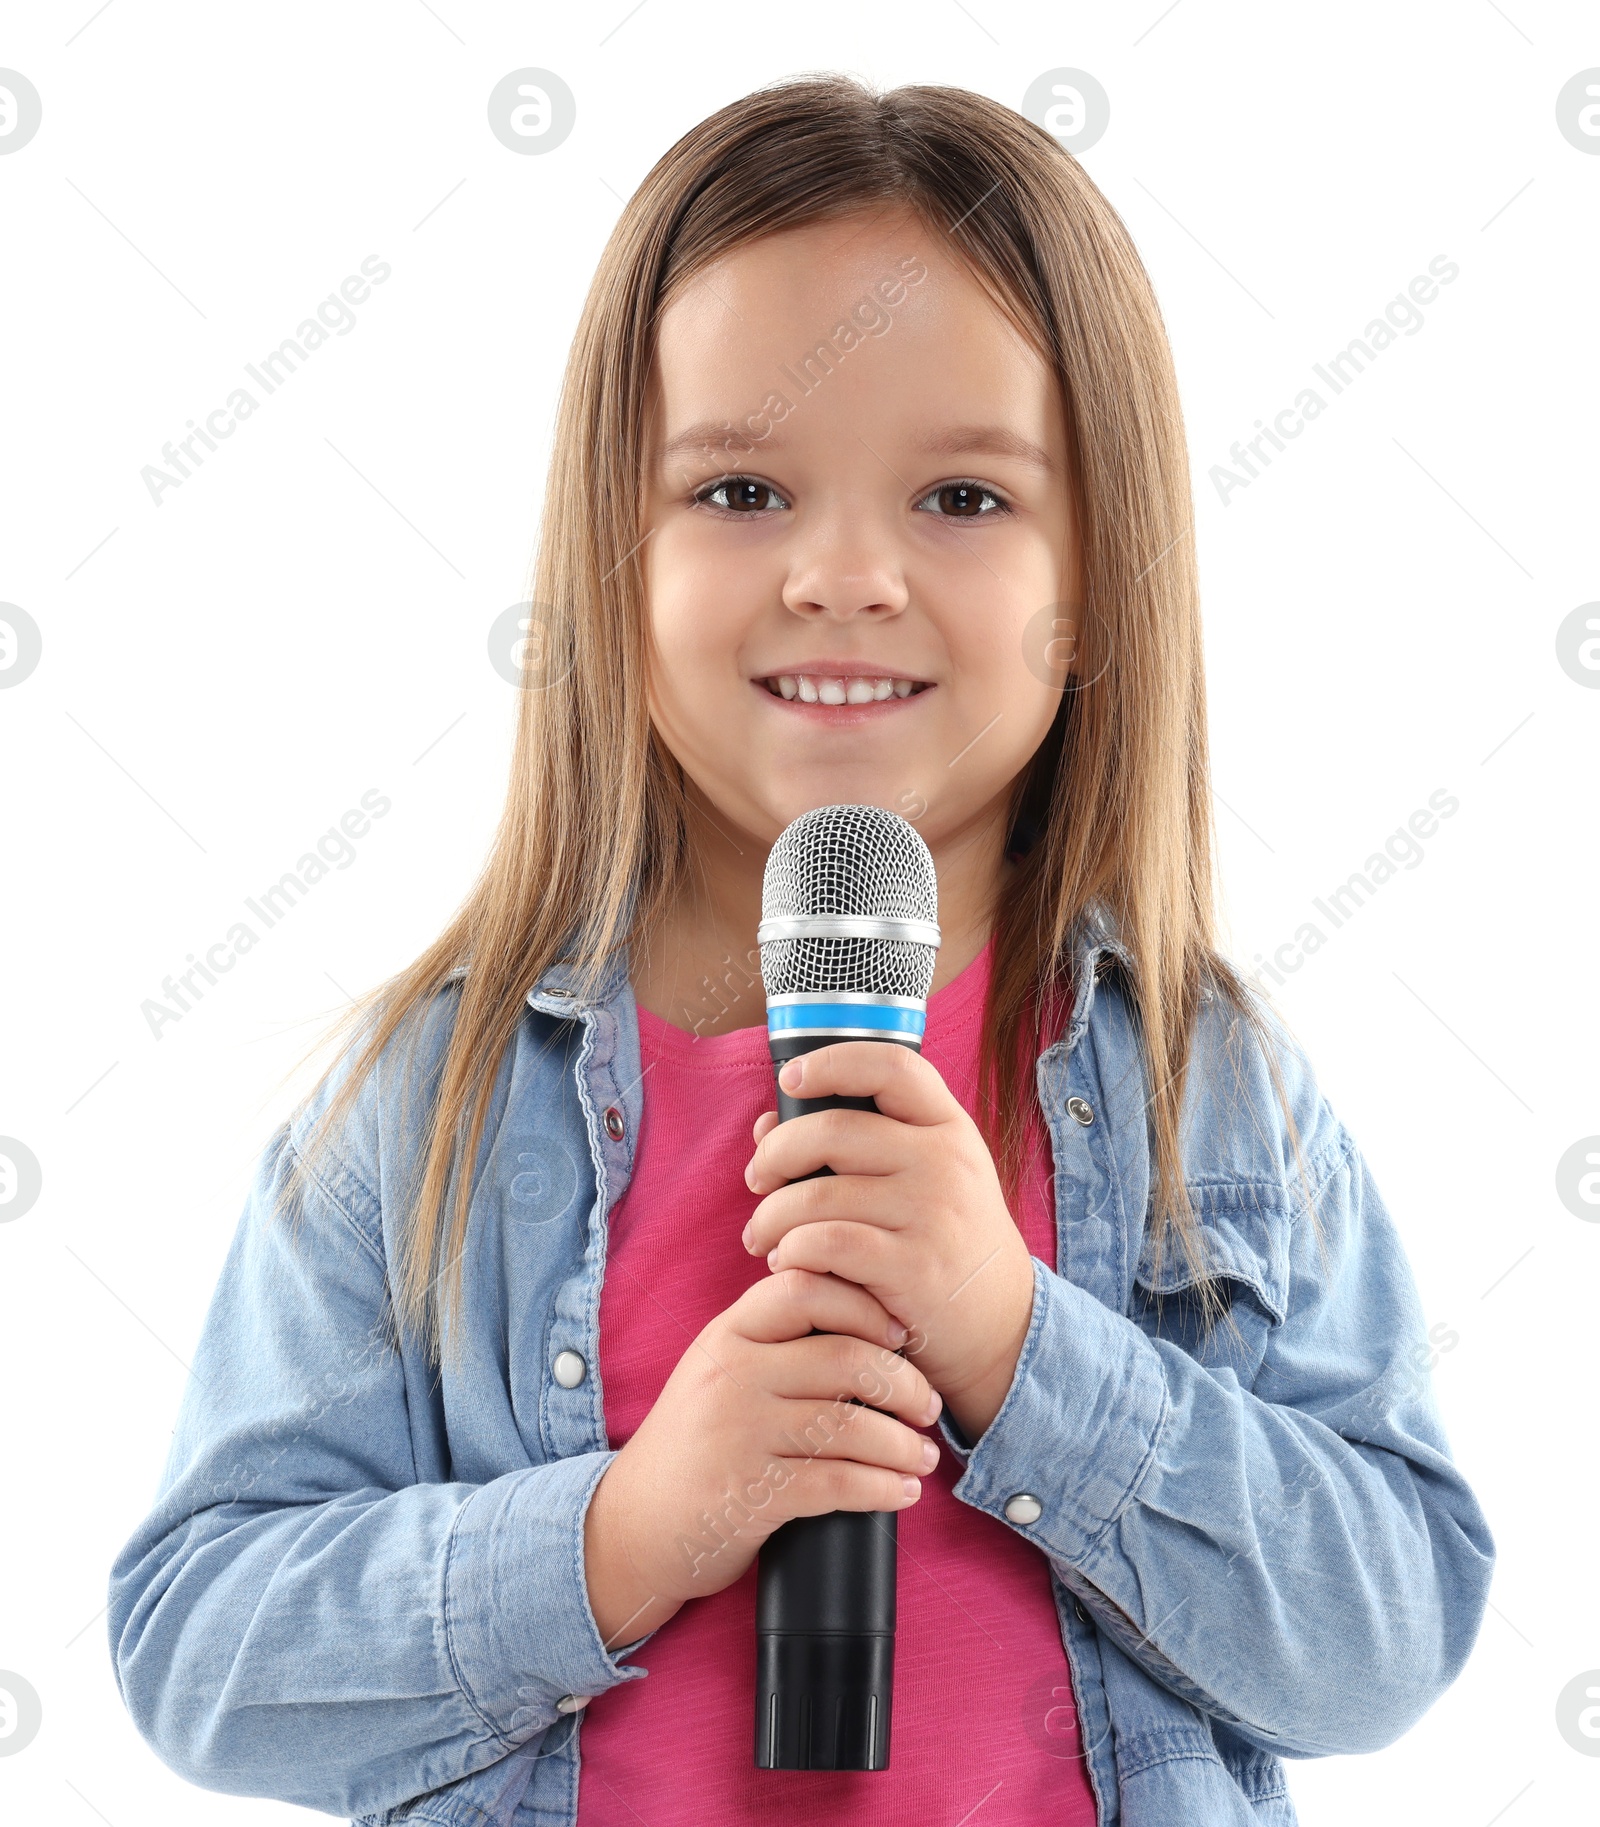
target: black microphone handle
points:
(825, 1596)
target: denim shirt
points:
(361, 1588)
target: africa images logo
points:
(334, 317)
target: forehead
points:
(872, 311)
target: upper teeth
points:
(817, 689)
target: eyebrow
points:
(987, 441)
(955, 440)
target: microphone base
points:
(822, 1700)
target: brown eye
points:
(965, 501)
(741, 495)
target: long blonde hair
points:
(592, 844)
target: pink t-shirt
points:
(983, 1720)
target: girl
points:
(869, 487)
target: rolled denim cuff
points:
(1078, 1429)
(521, 1635)
(953, 1437)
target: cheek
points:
(994, 681)
(702, 583)
(993, 654)
(699, 621)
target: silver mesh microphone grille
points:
(849, 860)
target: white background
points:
(305, 619)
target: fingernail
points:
(791, 1075)
(911, 1486)
(935, 1405)
(898, 1334)
(930, 1454)
(744, 1237)
(772, 1258)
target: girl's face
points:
(858, 473)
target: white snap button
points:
(1024, 1508)
(573, 1703)
(568, 1369)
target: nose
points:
(845, 569)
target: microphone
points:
(849, 927)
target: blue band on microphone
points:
(843, 1018)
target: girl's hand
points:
(912, 1211)
(755, 1425)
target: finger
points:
(852, 1252)
(835, 1367)
(848, 1141)
(768, 1120)
(845, 1431)
(829, 1199)
(816, 1486)
(898, 1079)
(785, 1306)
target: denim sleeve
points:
(301, 1616)
(1300, 1559)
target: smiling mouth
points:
(823, 688)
